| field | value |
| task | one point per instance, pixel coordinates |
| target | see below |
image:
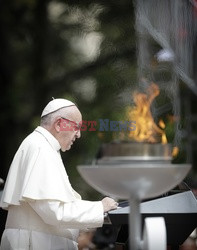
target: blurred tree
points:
(82, 50)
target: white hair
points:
(48, 120)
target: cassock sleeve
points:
(79, 214)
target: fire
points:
(146, 128)
(175, 151)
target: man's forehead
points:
(73, 113)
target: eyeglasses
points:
(71, 125)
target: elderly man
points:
(44, 212)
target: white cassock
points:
(44, 212)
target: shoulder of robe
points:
(33, 142)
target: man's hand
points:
(109, 204)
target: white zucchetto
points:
(56, 104)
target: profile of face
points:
(72, 119)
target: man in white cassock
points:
(44, 212)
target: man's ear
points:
(57, 125)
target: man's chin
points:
(66, 149)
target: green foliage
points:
(80, 50)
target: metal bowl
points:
(142, 181)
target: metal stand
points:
(135, 224)
(138, 182)
(154, 235)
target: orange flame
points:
(175, 151)
(146, 129)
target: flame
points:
(146, 128)
(175, 151)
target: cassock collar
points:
(49, 137)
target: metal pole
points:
(134, 224)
